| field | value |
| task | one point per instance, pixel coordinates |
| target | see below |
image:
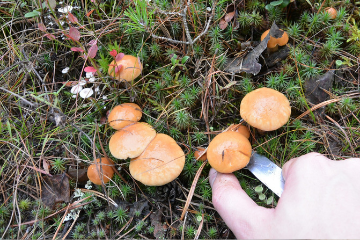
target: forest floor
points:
(56, 94)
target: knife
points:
(267, 172)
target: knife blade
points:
(267, 172)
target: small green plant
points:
(120, 215)
(212, 232)
(58, 165)
(190, 231)
(141, 17)
(25, 204)
(139, 226)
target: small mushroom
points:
(240, 129)
(131, 141)
(199, 152)
(127, 68)
(228, 152)
(95, 173)
(265, 109)
(273, 43)
(123, 115)
(160, 163)
(332, 12)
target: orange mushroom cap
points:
(131, 68)
(332, 12)
(273, 42)
(240, 129)
(131, 141)
(160, 163)
(228, 152)
(123, 115)
(95, 174)
(198, 153)
(265, 109)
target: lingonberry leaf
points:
(50, 36)
(119, 56)
(42, 27)
(92, 51)
(74, 34)
(90, 69)
(118, 68)
(72, 18)
(113, 52)
(76, 49)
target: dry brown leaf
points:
(223, 24)
(229, 16)
(55, 189)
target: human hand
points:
(321, 199)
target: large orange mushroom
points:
(265, 109)
(123, 115)
(160, 163)
(228, 152)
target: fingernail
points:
(212, 176)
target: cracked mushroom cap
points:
(131, 68)
(265, 109)
(228, 152)
(94, 171)
(160, 163)
(131, 141)
(123, 115)
(273, 42)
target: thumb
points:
(240, 213)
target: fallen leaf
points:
(229, 16)
(223, 24)
(79, 175)
(55, 189)
(314, 87)
(250, 63)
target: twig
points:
(183, 14)
(17, 95)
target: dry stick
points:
(23, 99)
(189, 41)
(322, 104)
(199, 228)
(342, 130)
(192, 189)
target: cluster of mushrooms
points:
(156, 159)
(265, 109)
